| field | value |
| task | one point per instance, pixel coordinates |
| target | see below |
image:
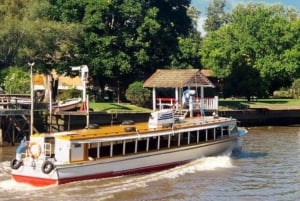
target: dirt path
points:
(276, 107)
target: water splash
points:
(111, 186)
(4, 168)
(7, 183)
(106, 189)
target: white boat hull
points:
(30, 172)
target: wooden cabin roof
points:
(177, 78)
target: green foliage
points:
(29, 34)
(259, 40)
(295, 88)
(282, 93)
(127, 38)
(116, 39)
(17, 81)
(69, 93)
(216, 16)
(138, 95)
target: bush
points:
(68, 94)
(137, 94)
(296, 88)
(282, 94)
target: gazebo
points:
(179, 79)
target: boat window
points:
(184, 139)
(193, 137)
(226, 131)
(142, 145)
(105, 149)
(148, 144)
(118, 148)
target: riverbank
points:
(268, 114)
(261, 116)
(264, 117)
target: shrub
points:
(282, 94)
(137, 94)
(295, 88)
(68, 94)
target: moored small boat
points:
(162, 142)
(66, 105)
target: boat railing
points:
(164, 103)
(194, 104)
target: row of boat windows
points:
(115, 148)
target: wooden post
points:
(1, 138)
(13, 131)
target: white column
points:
(176, 97)
(154, 98)
(202, 92)
(191, 106)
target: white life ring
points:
(34, 150)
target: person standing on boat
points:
(186, 97)
(21, 148)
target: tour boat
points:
(165, 141)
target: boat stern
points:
(239, 144)
(35, 173)
(33, 163)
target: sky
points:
(201, 5)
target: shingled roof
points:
(177, 78)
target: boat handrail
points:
(143, 132)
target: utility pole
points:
(31, 98)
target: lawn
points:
(117, 107)
(224, 104)
(259, 103)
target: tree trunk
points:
(48, 84)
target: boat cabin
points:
(115, 141)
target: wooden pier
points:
(14, 117)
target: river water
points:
(268, 168)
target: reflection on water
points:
(266, 169)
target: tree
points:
(28, 34)
(129, 40)
(17, 81)
(216, 16)
(260, 35)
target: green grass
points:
(117, 107)
(243, 104)
(227, 104)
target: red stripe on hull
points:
(39, 182)
(34, 181)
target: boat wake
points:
(7, 183)
(105, 189)
(4, 169)
(111, 186)
(204, 164)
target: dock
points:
(14, 117)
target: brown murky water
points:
(267, 169)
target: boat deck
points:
(137, 128)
